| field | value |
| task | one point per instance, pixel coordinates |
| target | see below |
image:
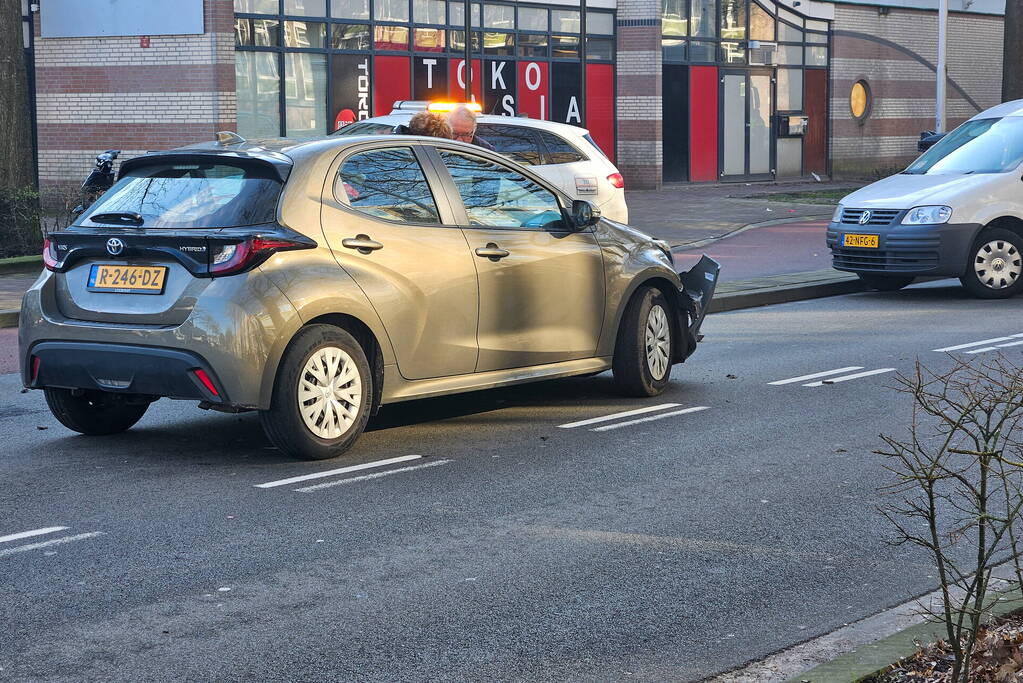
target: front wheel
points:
(94, 413)
(995, 265)
(885, 283)
(321, 398)
(642, 359)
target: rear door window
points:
(518, 143)
(210, 194)
(387, 183)
(559, 150)
(365, 128)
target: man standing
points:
(463, 126)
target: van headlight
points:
(927, 215)
(837, 216)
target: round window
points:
(859, 100)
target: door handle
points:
(492, 252)
(361, 242)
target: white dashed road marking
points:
(47, 544)
(846, 378)
(815, 375)
(615, 416)
(368, 477)
(982, 342)
(341, 470)
(30, 534)
(651, 418)
(994, 348)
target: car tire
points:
(885, 283)
(305, 424)
(994, 268)
(94, 413)
(643, 352)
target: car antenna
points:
(226, 137)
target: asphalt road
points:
(515, 549)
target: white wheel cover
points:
(329, 392)
(658, 341)
(997, 264)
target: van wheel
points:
(94, 413)
(643, 352)
(885, 283)
(321, 397)
(995, 265)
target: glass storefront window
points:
(429, 40)
(307, 34)
(456, 14)
(564, 46)
(257, 6)
(256, 32)
(349, 9)
(819, 38)
(495, 43)
(815, 25)
(532, 19)
(761, 24)
(700, 51)
(350, 37)
(733, 19)
(790, 17)
(600, 24)
(499, 16)
(789, 34)
(565, 21)
(390, 10)
(816, 56)
(429, 11)
(305, 94)
(789, 54)
(456, 41)
(790, 89)
(673, 49)
(704, 19)
(733, 53)
(674, 17)
(306, 8)
(390, 37)
(532, 44)
(599, 48)
(258, 83)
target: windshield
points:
(190, 195)
(978, 146)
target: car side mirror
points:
(584, 214)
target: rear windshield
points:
(365, 128)
(189, 195)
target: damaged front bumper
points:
(698, 284)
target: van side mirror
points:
(584, 214)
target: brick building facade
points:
(673, 90)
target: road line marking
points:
(367, 477)
(983, 350)
(660, 416)
(1015, 343)
(815, 375)
(29, 534)
(341, 470)
(615, 416)
(47, 544)
(980, 343)
(846, 378)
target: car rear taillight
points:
(35, 367)
(201, 375)
(617, 180)
(49, 255)
(241, 256)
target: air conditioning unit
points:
(761, 52)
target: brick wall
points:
(896, 55)
(94, 94)
(639, 93)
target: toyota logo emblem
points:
(114, 246)
(864, 218)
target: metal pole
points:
(467, 69)
(939, 103)
(582, 58)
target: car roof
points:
(561, 128)
(1011, 108)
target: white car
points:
(955, 211)
(562, 154)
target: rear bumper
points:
(123, 369)
(905, 249)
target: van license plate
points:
(868, 241)
(122, 279)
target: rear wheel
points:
(884, 283)
(94, 413)
(995, 265)
(642, 360)
(321, 398)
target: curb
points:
(9, 317)
(21, 264)
(779, 295)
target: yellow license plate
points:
(123, 279)
(868, 241)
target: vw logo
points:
(864, 218)
(114, 246)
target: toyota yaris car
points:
(315, 281)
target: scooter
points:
(99, 181)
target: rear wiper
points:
(118, 217)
